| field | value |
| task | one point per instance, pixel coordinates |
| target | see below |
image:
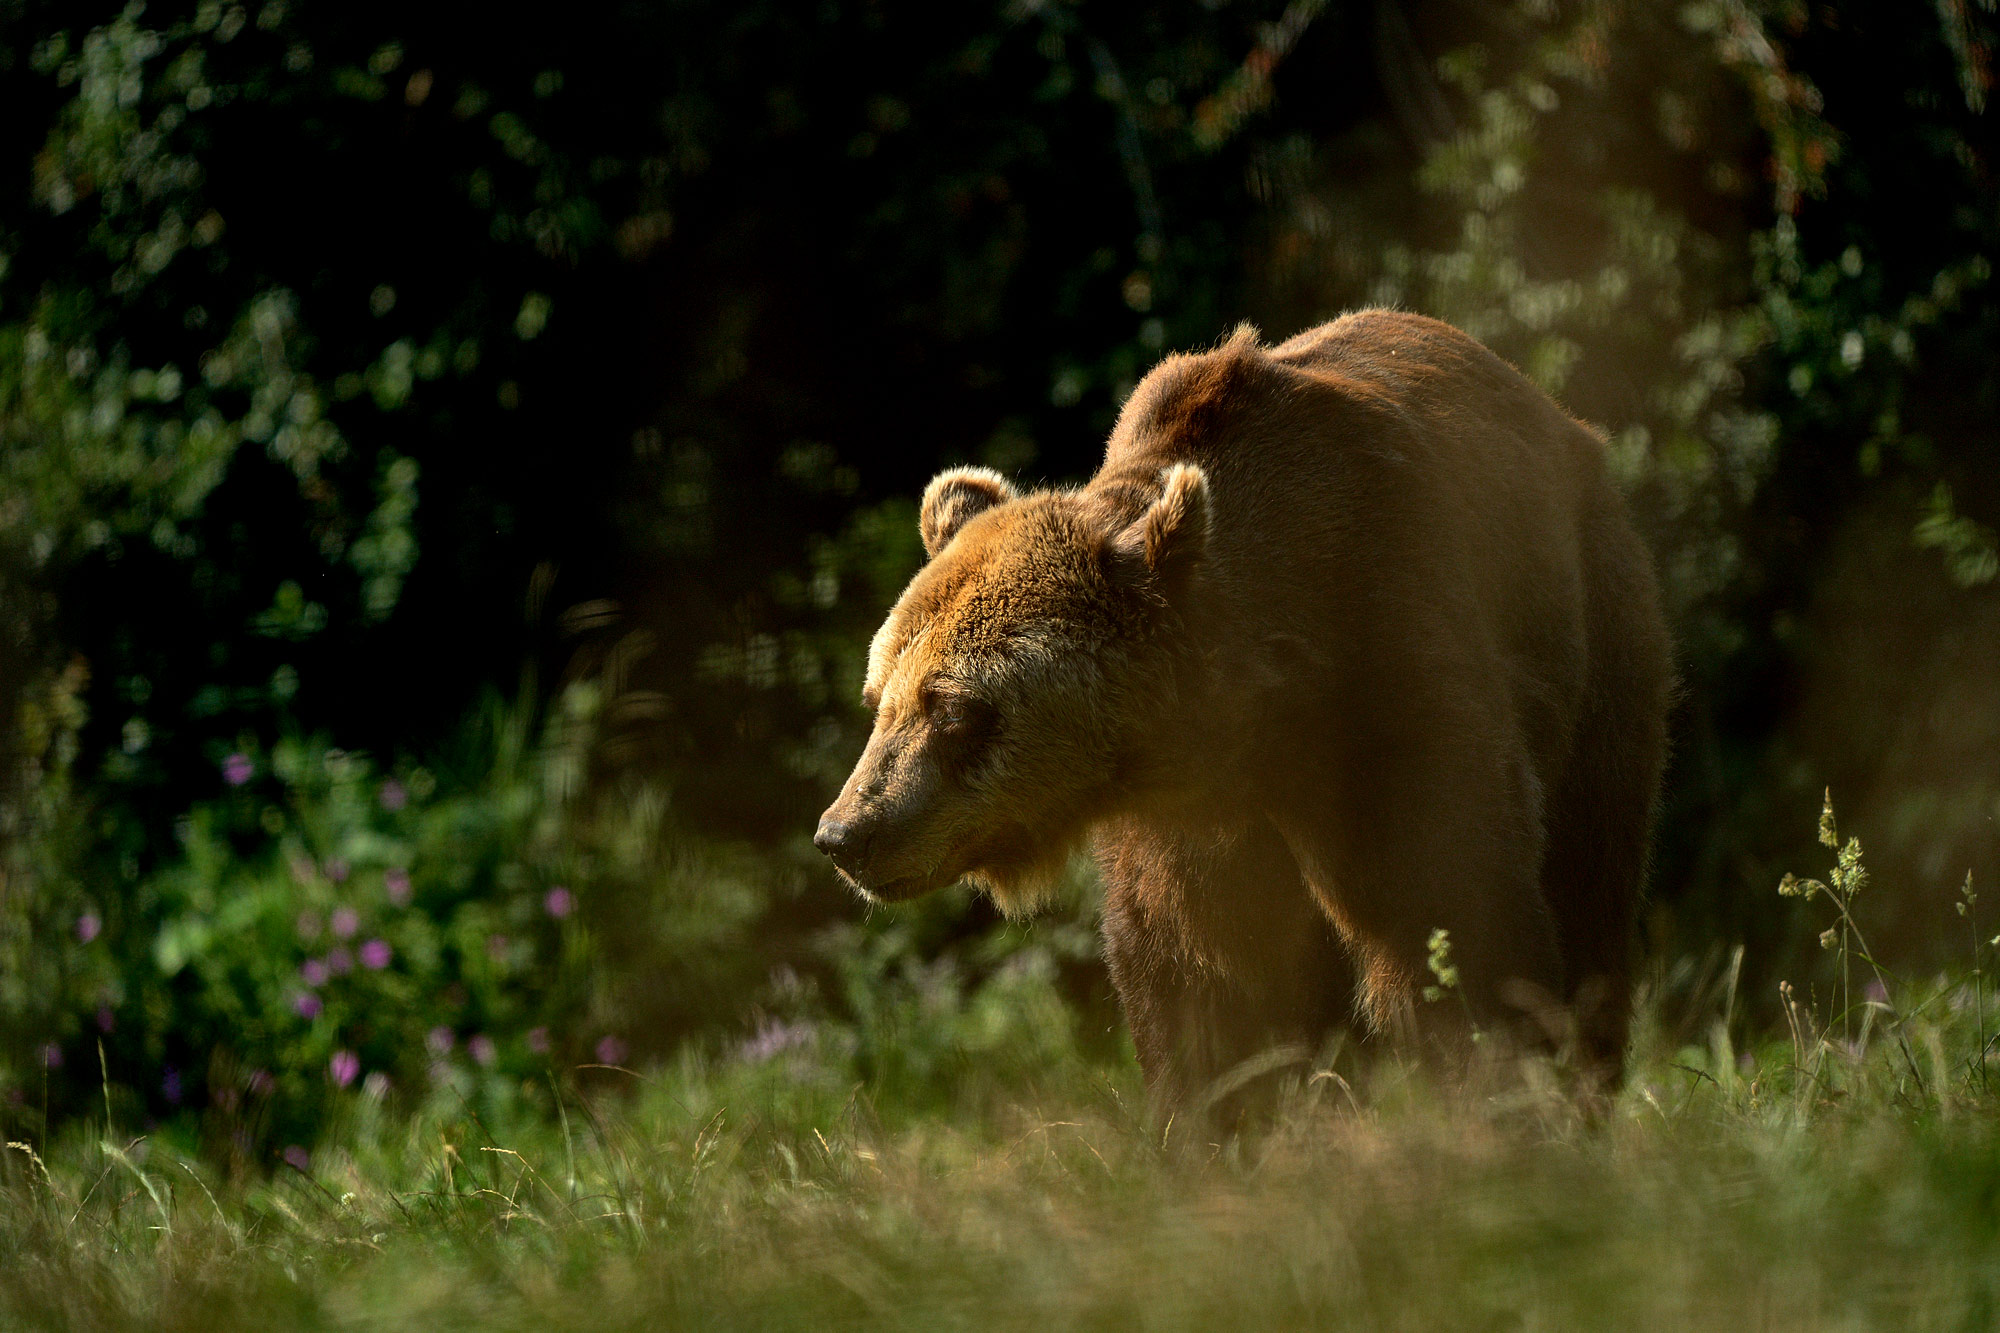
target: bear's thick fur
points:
(1349, 640)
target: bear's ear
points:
(953, 497)
(1171, 537)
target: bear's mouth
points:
(901, 889)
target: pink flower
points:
(392, 796)
(237, 769)
(396, 883)
(375, 954)
(298, 1158)
(538, 1040)
(559, 902)
(52, 1056)
(261, 1083)
(340, 961)
(345, 922)
(610, 1050)
(307, 1005)
(480, 1048)
(439, 1040)
(87, 927)
(336, 870)
(343, 1067)
(314, 971)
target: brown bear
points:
(1349, 640)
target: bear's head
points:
(1015, 681)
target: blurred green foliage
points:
(325, 925)
(995, 1175)
(361, 365)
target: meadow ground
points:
(1820, 1181)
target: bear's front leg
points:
(1220, 958)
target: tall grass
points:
(1839, 1170)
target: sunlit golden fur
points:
(1019, 609)
(1348, 640)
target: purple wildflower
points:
(307, 1005)
(260, 1082)
(396, 883)
(345, 922)
(87, 927)
(343, 1067)
(106, 1020)
(559, 902)
(298, 1158)
(773, 1038)
(439, 1040)
(375, 954)
(314, 970)
(538, 1040)
(1875, 992)
(52, 1056)
(170, 1086)
(340, 961)
(610, 1050)
(480, 1048)
(393, 797)
(237, 769)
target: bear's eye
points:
(956, 714)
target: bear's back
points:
(1386, 478)
(1381, 436)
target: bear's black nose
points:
(837, 840)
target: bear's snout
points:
(836, 839)
(869, 854)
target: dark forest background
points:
(451, 462)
